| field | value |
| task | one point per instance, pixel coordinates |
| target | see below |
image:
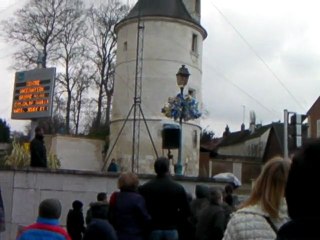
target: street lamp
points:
(182, 80)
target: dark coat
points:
(38, 152)
(100, 206)
(2, 216)
(100, 229)
(129, 216)
(166, 202)
(211, 223)
(75, 224)
(306, 229)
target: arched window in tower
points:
(197, 6)
(125, 46)
(195, 138)
(194, 46)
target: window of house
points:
(197, 6)
(194, 46)
(125, 46)
(318, 128)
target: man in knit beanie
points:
(47, 225)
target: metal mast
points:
(137, 96)
(136, 106)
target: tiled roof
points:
(242, 136)
(313, 105)
(166, 8)
(162, 8)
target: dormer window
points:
(197, 6)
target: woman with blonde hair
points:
(265, 211)
(128, 213)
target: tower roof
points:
(165, 8)
(161, 8)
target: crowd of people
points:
(161, 209)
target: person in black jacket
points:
(38, 150)
(99, 227)
(75, 221)
(303, 207)
(166, 202)
(212, 219)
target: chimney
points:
(252, 126)
(243, 127)
(226, 131)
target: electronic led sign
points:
(33, 94)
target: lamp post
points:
(182, 80)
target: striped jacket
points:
(44, 228)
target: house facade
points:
(314, 120)
(244, 152)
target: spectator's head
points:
(228, 189)
(215, 195)
(269, 188)
(50, 208)
(161, 166)
(101, 197)
(304, 172)
(128, 181)
(77, 205)
(38, 131)
(202, 191)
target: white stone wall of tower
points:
(167, 45)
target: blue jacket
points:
(44, 228)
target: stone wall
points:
(75, 152)
(23, 190)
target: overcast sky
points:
(260, 56)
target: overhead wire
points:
(179, 45)
(243, 91)
(257, 55)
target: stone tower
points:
(172, 36)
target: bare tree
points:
(35, 28)
(72, 52)
(102, 42)
(79, 97)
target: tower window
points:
(194, 46)
(125, 46)
(195, 138)
(197, 6)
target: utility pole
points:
(285, 135)
(297, 121)
(136, 106)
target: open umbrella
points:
(227, 177)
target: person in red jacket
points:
(47, 225)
